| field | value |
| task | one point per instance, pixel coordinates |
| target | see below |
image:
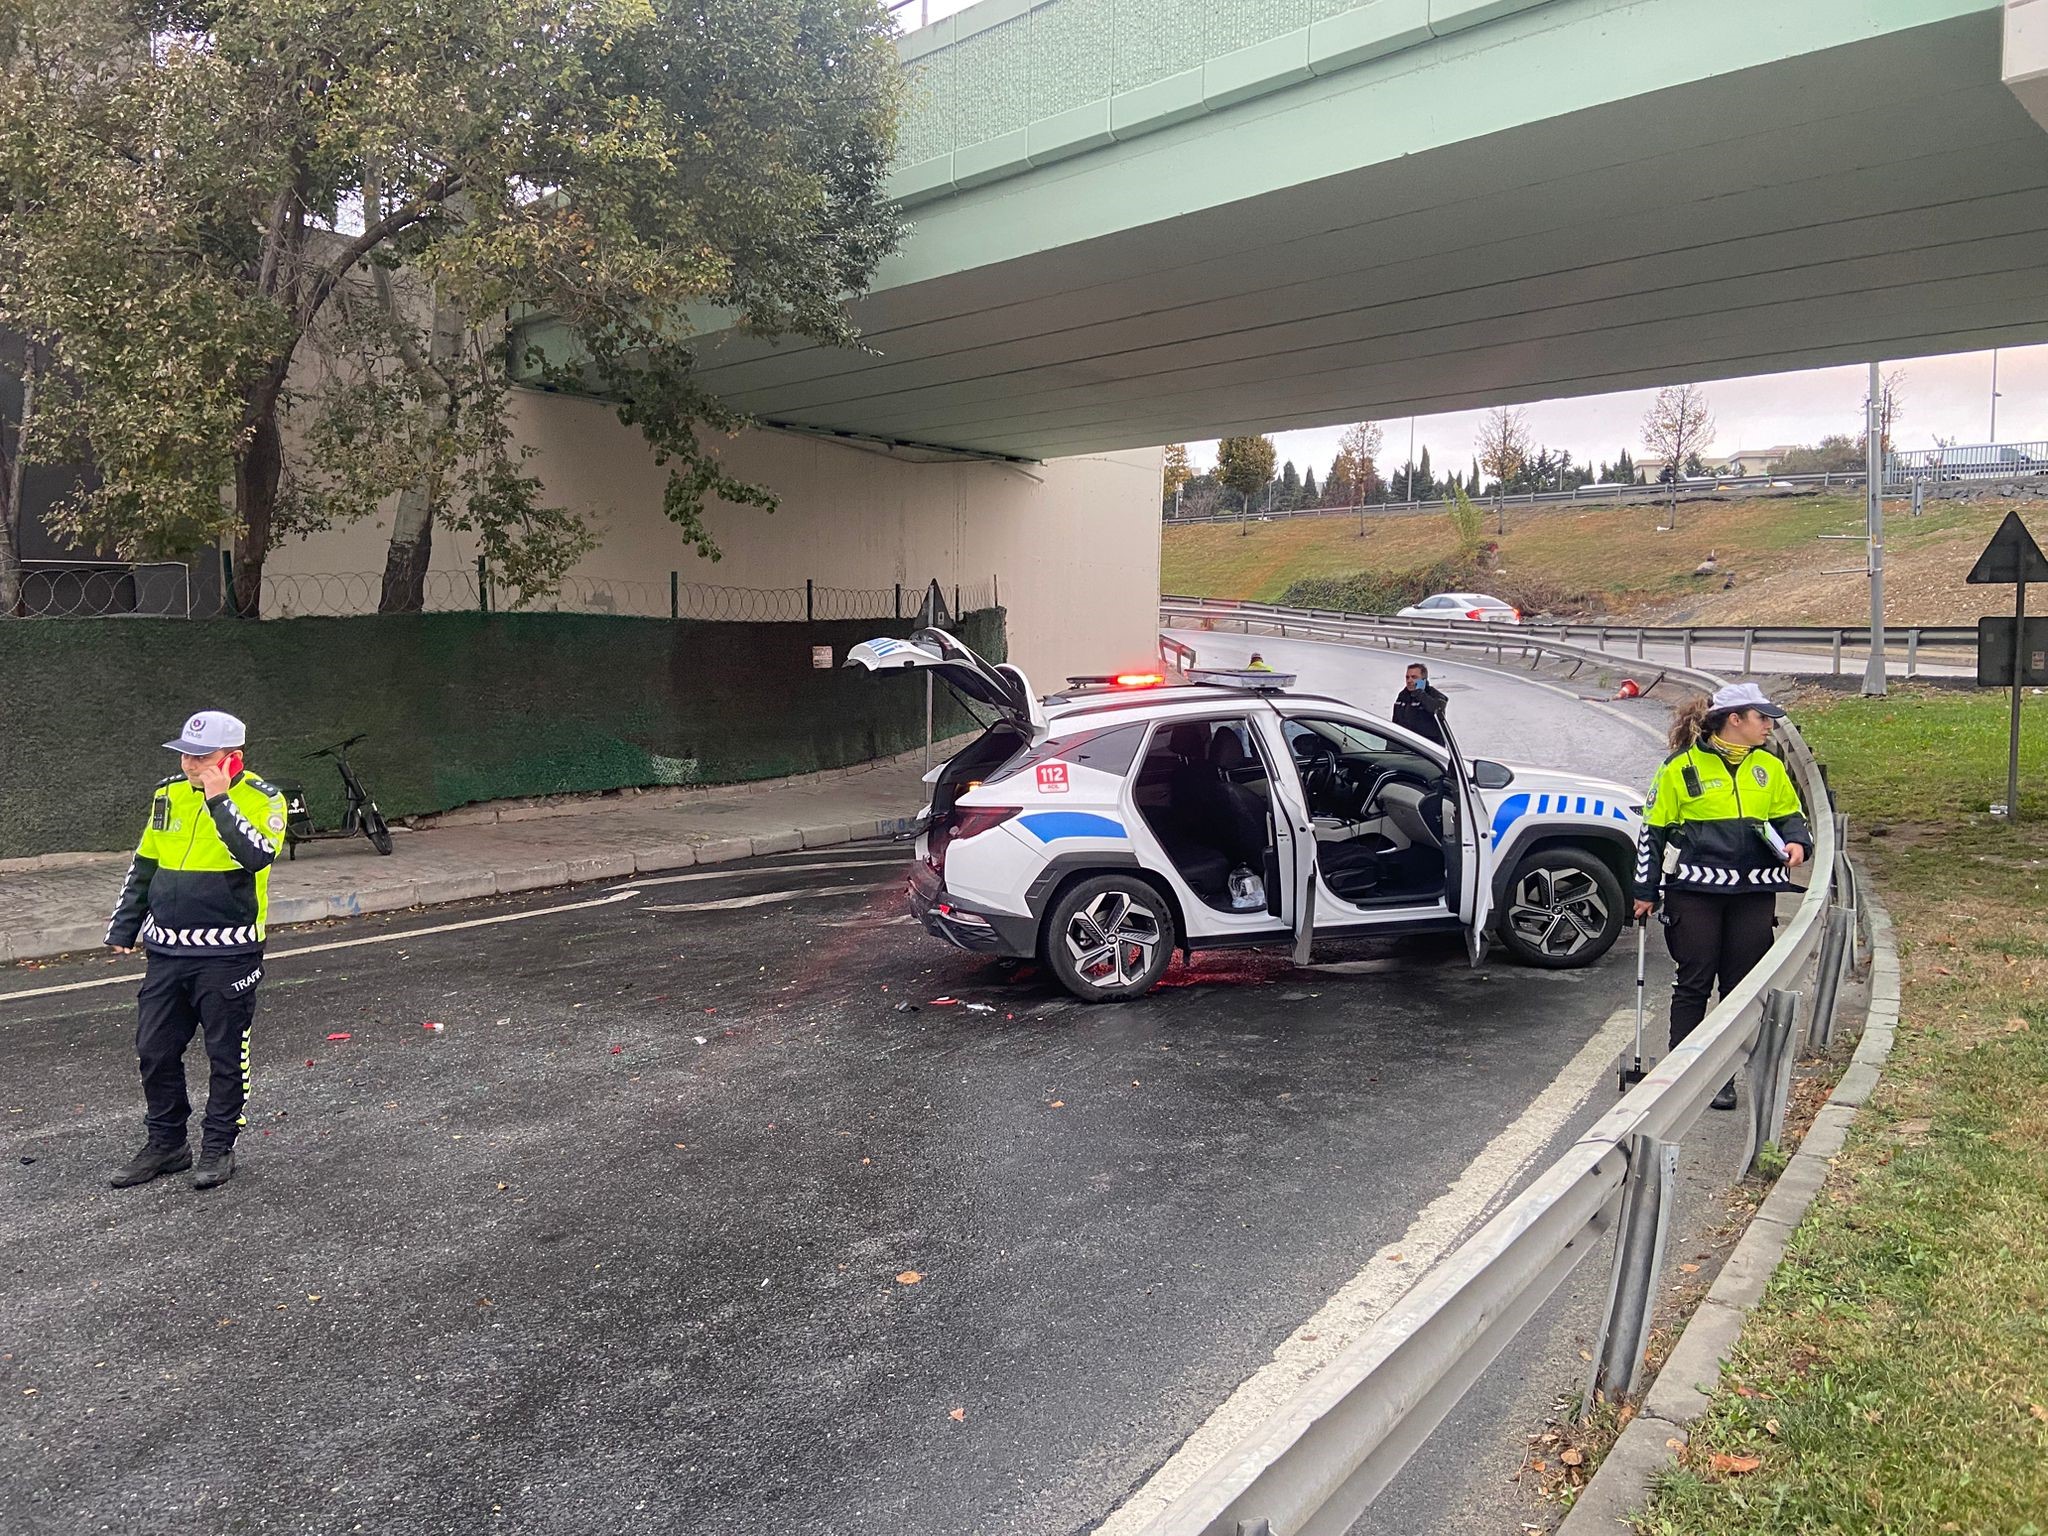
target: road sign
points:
(1995, 652)
(2011, 556)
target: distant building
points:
(1749, 461)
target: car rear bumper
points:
(965, 924)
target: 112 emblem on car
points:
(1052, 778)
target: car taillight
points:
(973, 822)
(1475, 613)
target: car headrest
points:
(1227, 752)
(1190, 739)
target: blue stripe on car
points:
(1050, 826)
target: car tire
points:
(1563, 909)
(1109, 938)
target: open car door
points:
(1468, 851)
(991, 685)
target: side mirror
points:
(1487, 774)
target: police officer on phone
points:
(196, 898)
(1722, 831)
(1420, 706)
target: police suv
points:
(1101, 829)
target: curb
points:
(467, 885)
(1683, 1389)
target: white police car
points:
(1103, 828)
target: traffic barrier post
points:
(1827, 984)
(1770, 1073)
(1646, 1203)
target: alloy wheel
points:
(1113, 939)
(1558, 912)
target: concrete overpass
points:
(1139, 221)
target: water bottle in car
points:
(1247, 890)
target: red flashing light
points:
(1139, 679)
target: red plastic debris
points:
(616, 1049)
(945, 1002)
(341, 1036)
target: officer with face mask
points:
(196, 898)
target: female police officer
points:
(1722, 829)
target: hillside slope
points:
(1612, 560)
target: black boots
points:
(214, 1168)
(1725, 1099)
(150, 1162)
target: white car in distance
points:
(1462, 608)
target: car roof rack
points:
(1249, 679)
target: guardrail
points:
(1833, 638)
(1325, 1454)
(1921, 468)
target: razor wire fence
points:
(174, 589)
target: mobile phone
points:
(232, 763)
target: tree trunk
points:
(13, 466)
(411, 551)
(257, 477)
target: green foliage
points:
(1468, 524)
(1245, 464)
(197, 197)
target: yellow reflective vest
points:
(200, 880)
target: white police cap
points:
(209, 731)
(1738, 696)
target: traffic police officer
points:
(1722, 831)
(196, 897)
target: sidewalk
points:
(59, 904)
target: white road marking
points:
(374, 938)
(1390, 1272)
(764, 898)
(772, 869)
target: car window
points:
(1111, 749)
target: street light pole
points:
(1873, 463)
(1994, 395)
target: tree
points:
(1468, 525)
(1621, 472)
(1503, 444)
(1176, 474)
(1831, 455)
(1310, 496)
(1891, 409)
(1357, 463)
(1245, 464)
(1676, 427)
(203, 192)
(1290, 487)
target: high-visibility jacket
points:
(200, 880)
(1713, 814)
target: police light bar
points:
(1257, 678)
(1118, 680)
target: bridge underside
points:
(1881, 196)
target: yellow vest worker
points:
(1723, 830)
(196, 899)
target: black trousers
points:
(1713, 938)
(216, 995)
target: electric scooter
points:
(359, 811)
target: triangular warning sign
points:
(2012, 556)
(933, 613)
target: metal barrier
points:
(1959, 640)
(1904, 474)
(1324, 1455)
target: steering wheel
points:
(1317, 761)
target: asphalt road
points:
(679, 1224)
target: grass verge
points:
(1895, 1377)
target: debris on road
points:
(342, 1036)
(909, 1277)
(958, 1415)
(906, 1007)
(436, 1026)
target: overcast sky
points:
(1949, 396)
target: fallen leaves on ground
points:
(1734, 1466)
(958, 1415)
(909, 1277)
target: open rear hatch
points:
(979, 684)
